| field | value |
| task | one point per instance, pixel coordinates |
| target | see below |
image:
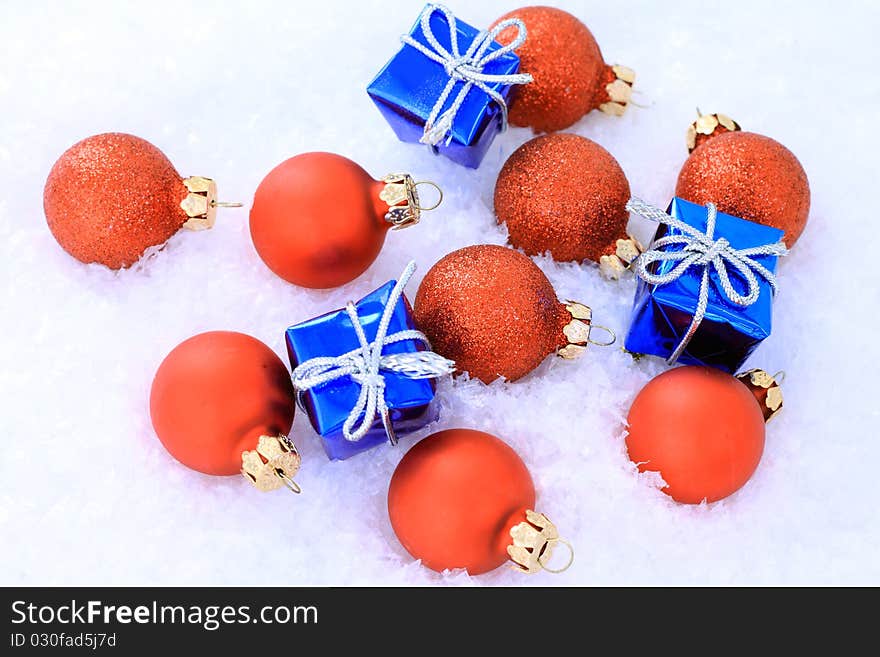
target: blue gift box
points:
(328, 405)
(728, 333)
(406, 90)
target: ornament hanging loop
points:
(609, 340)
(552, 543)
(402, 197)
(436, 205)
(288, 482)
(578, 332)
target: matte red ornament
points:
(747, 175)
(701, 429)
(564, 194)
(493, 311)
(319, 220)
(463, 499)
(110, 197)
(223, 403)
(570, 76)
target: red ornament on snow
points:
(319, 219)
(222, 403)
(493, 311)
(701, 429)
(567, 195)
(111, 196)
(463, 499)
(745, 174)
(570, 76)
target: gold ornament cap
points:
(533, 543)
(766, 389)
(619, 91)
(273, 464)
(578, 331)
(402, 197)
(201, 203)
(707, 125)
(613, 266)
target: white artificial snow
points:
(228, 90)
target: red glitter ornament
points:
(111, 196)
(747, 175)
(700, 429)
(319, 220)
(463, 499)
(492, 311)
(564, 194)
(570, 76)
(223, 403)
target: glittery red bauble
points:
(110, 197)
(317, 220)
(570, 76)
(454, 498)
(749, 176)
(700, 429)
(213, 397)
(564, 194)
(492, 311)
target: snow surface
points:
(89, 496)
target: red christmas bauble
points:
(564, 194)
(749, 176)
(701, 429)
(454, 498)
(319, 220)
(215, 395)
(491, 310)
(570, 76)
(111, 196)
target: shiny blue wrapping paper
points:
(406, 90)
(328, 405)
(728, 333)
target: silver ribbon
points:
(704, 251)
(364, 366)
(467, 68)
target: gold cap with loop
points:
(578, 331)
(273, 464)
(766, 389)
(201, 203)
(533, 543)
(625, 253)
(402, 197)
(706, 124)
(619, 91)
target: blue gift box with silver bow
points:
(363, 373)
(706, 287)
(449, 84)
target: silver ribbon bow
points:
(467, 68)
(364, 366)
(703, 250)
